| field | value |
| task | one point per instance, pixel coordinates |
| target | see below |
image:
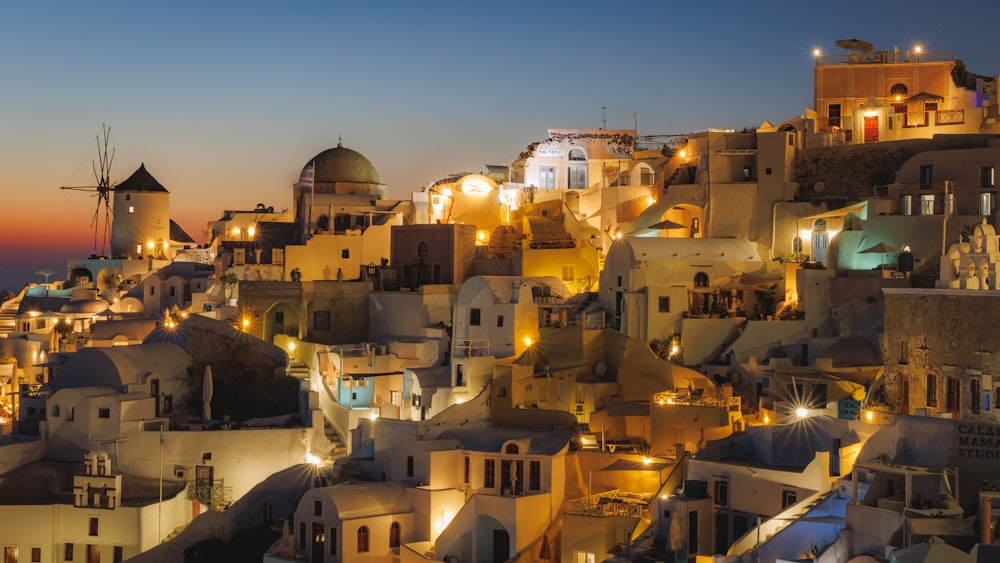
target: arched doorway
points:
(281, 318)
(820, 241)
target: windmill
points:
(102, 190)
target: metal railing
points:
(885, 57)
(605, 504)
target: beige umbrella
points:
(207, 389)
(881, 249)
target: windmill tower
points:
(141, 227)
(102, 191)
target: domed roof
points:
(341, 164)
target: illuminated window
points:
(987, 203)
(833, 112)
(906, 204)
(927, 204)
(546, 176)
(986, 177)
(131, 209)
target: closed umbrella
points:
(207, 389)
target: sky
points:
(225, 102)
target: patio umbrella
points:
(881, 249)
(207, 389)
(46, 271)
(666, 224)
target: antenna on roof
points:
(604, 121)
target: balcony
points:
(884, 57)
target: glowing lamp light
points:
(870, 113)
(647, 460)
(767, 419)
(236, 231)
(651, 200)
(459, 401)
(251, 231)
(869, 416)
(801, 412)
(446, 192)
(683, 153)
(481, 236)
(291, 346)
(917, 48)
(150, 244)
(313, 459)
(373, 416)
(246, 323)
(618, 235)
(528, 341)
(898, 97)
(816, 52)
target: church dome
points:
(340, 164)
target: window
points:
(953, 393)
(987, 203)
(55, 411)
(474, 314)
(68, 552)
(10, 554)
(36, 555)
(467, 471)
(104, 413)
(546, 176)
(581, 393)
(394, 397)
(898, 89)
(119, 554)
(568, 272)
(619, 281)
(363, 539)
(975, 392)
(321, 320)
(72, 411)
(577, 177)
(904, 352)
(986, 177)
(788, 498)
(722, 492)
(409, 466)
(499, 321)
(345, 253)
(931, 399)
(173, 291)
(394, 535)
(927, 204)
(422, 249)
(511, 449)
(489, 473)
(152, 290)
(317, 508)
(926, 175)
(131, 209)
(333, 541)
(664, 304)
(906, 204)
(767, 171)
(302, 535)
(833, 113)
(534, 475)
(748, 173)
(646, 177)
(94, 527)
(701, 279)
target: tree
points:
(230, 280)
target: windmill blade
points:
(103, 187)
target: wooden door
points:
(871, 129)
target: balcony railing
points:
(885, 57)
(608, 503)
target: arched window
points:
(422, 249)
(577, 154)
(701, 279)
(363, 539)
(898, 89)
(511, 449)
(394, 535)
(797, 245)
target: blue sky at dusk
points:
(225, 101)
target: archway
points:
(281, 318)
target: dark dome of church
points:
(340, 164)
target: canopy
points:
(666, 224)
(880, 248)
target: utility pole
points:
(604, 121)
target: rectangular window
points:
(906, 204)
(931, 399)
(119, 554)
(94, 527)
(664, 304)
(926, 175)
(577, 177)
(131, 209)
(468, 470)
(345, 253)
(499, 321)
(104, 413)
(904, 352)
(568, 272)
(302, 535)
(953, 394)
(394, 395)
(927, 204)
(489, 473)
(722, 492)
(321, 320)
(788, 498)
(333, 541)
(987, 203)
(619, 281)
(581, 393)
(986, 177)
(409, 466)
(748, 173)
(767, 171)
(10, 554)
(546, 176)
(152, 290)
(534, 475)
(474, 315)
(68, 552)
(36, 555)
(317, 508)
(173, 291)
(833, 113)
